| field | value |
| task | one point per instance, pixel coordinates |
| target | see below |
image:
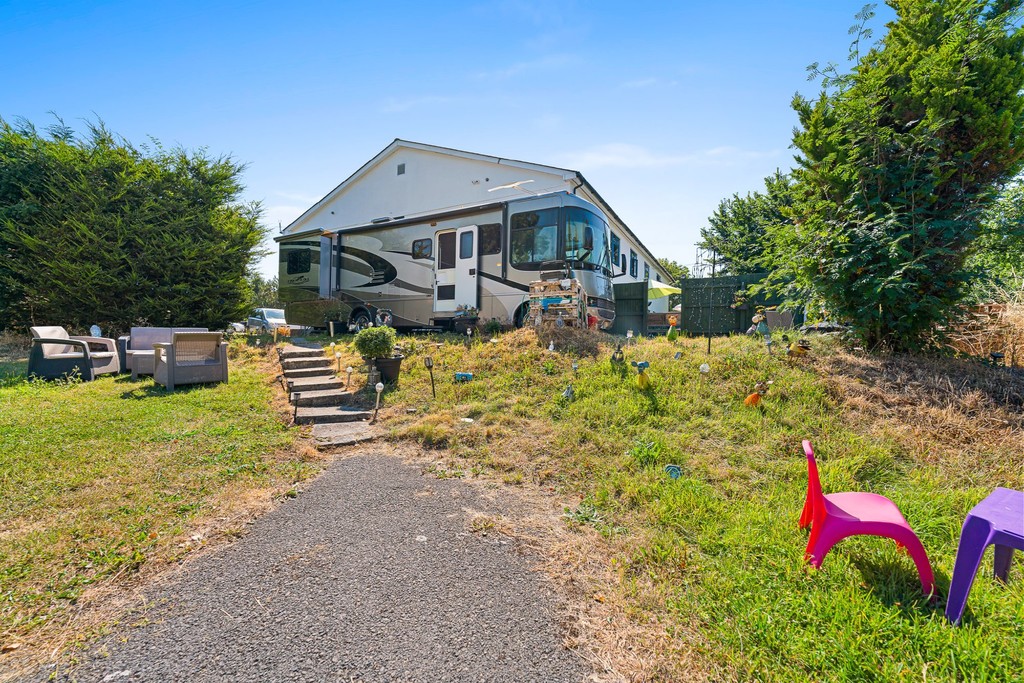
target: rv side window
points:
(445, 250)
(534, 237)
(466, 245)
(298, 261)
(632, 263)
(490, 239)
(423, 248)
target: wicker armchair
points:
(55, 354)
(191, 358)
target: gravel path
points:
(371, 574)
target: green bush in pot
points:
(375, 342)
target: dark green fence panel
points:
(714, 300)
(630, 308)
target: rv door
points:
(455, 270)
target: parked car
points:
(265, 320)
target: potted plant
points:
(377, 345)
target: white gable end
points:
(410, 181)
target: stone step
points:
(290, 352)
(305, 416)
(300, 363)
(305, 373)
(331, 397)
(318, 383)
(342, 434)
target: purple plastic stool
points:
(998, 520)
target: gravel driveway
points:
(371, 574)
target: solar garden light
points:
(428, 362)
(629, 336)
(704, 370)
(337, 357)
(349, 378)
(379, 388)
(575, 368)
(295, 409)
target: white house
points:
(407, 180)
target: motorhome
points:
(433, 270)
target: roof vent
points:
(382, 219)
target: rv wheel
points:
(520, 317)
(361, 319)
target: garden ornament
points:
(672, 333)
(569, 393)
(674, 471)
(642, 379)
(551, 345)
(618, 358)
(760, 389)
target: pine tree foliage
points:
(897, 161)
(737, 230)
(94, 230)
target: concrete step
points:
(331, 397)
(333, 414)
(290, 352)
(300, 363)
(305, 373)
(318, 383)
(342, 434)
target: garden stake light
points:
(349, 378)
(429, 363)
(337, 357)
(575, 368)
(379, 388)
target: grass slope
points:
(714, 559)
(99, 479)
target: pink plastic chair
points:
(841, 515)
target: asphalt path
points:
(370, 574)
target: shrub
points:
(375, 342)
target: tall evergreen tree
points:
(897, 161)
(94, 230)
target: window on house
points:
(423, 248)
(401, 169)
(633, 262)
(647, 272)
(615, 248)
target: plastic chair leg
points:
(974, 539)
(1004, 555)
(909, 542)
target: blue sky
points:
(666, 107)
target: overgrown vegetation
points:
(102, 480)
(711, 563)
(898, 160)
(96, 230)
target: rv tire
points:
(520, 317)
(361, 318)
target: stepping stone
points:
(318, 383)
(342, 434)
(308, 372)
(290, 352)
(331, 397)
(300, 363)
(333, 414)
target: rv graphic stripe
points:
(510, 283)
(382, 271)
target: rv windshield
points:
(586, 239)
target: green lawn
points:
(97, 479)
(720, 546)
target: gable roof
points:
(566, 173)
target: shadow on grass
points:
(153, 390)
(895, 583)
